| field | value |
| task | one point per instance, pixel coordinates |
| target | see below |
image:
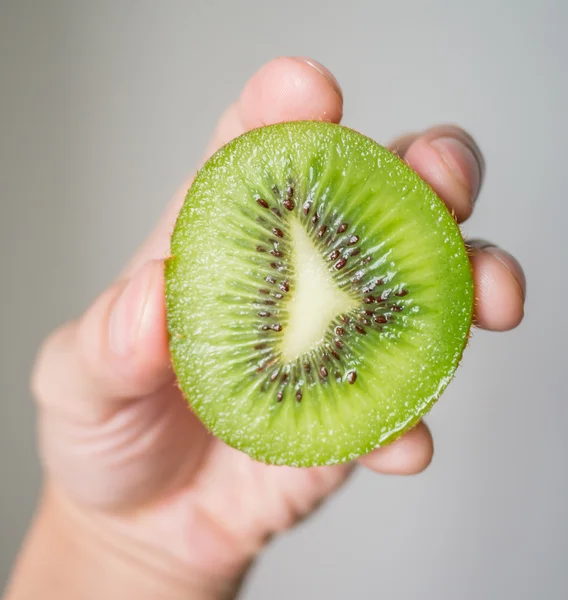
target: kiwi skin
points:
(180, 343)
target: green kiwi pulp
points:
(319, 295)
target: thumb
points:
(118, 350)
(114, 430)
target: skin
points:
(134, 486)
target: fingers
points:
(408, 455)
(448, 159)
(285, 89)
(500, 287)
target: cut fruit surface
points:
(319, 295)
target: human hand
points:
(126, 461)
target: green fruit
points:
(319, 295)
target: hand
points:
(123, 454)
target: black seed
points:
(289, 204)
(307, 206)
(284, 286)
(277, 327)
(260, 249)
(340, 331)
(368, 299)
(276, 253)
(334, 255)
(322, 230)
(261, 291)
(354, 252)
(325, 357)
(279, 396)
(323, 372)
(340, 263)
(260, 347)
(401, 293)
(360, 330)
(342, 228)
(380, 319)
(334, 354)
(396, 308)
(262, 203)
(338, 343)
(278, 232)
(307, 367)
(351, 377)
(353, 240)
(278, 296)
(264, 314)
(315, 218)
(369, 312)
(379, 282)
(345, 319)
(274, 265)
(298, 395)
(270, 279)
(269, 302)
(284, 378)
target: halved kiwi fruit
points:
(319, 295)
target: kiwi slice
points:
(319, 295)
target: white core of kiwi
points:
(315, 299)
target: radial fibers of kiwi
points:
(319, 295)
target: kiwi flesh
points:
(319, 295)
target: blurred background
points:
(105, 108)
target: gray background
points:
(105, 108)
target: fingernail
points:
(461, 161)
(325, 73)
(128, 312)
(507, 260)
(480, 244)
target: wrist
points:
(70, 553)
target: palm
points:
(218, 495)
(232, 505)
